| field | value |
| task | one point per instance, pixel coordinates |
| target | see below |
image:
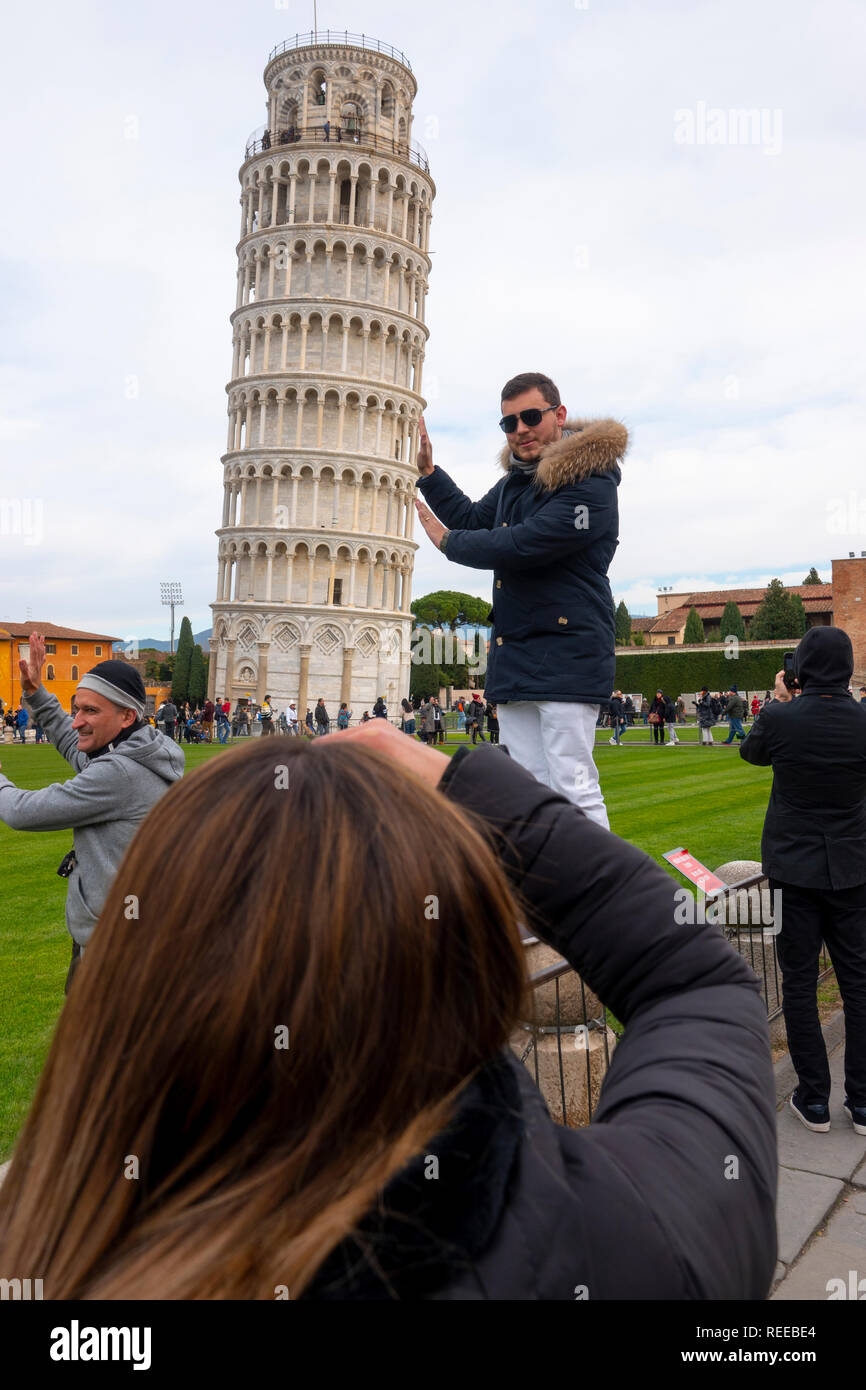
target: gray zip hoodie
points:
(103, 805)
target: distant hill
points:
(151, 644)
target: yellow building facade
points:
(68, 655)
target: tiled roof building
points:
(840, 603)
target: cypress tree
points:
(694, 627)
(732, 623)
(182, 660)
(197, 677)
(623, 625)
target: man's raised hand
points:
(425, 450)
(31, 669)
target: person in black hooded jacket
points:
(813, 850)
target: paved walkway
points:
(822, 1191)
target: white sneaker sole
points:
(818, 1128)
(858, 1129)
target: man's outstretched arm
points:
(574, 518)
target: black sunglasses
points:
(508, 423)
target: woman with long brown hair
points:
(284, 1064)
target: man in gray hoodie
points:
(123, 766)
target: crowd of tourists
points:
(663, 713)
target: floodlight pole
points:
(171, 596)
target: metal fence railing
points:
(571, 1079)
(746, 916)
(264, 140)
(575, 1071)
(339, 36)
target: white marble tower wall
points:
(316, 544)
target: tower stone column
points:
(328, 341)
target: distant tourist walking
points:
(706, 717)
(475, 718)
(735, 711)
(657, 716)
(168, 714)
(671, 721)
(323, 719)
(222, 722)
(428, 720)
(438, 722)
(493, 723)
(617, 717)
(407, 721)
(267, 716)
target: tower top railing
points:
(337, 36)
(264, 139)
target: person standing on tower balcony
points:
(548, 530)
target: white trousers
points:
(554, 741)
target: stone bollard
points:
(571, 997)
(584, 1067)
(750, 909)
(584, 1058)
(750, 927)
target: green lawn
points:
(707, 800)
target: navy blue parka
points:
(549, 538)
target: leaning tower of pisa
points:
(315, 545)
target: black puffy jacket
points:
(641, 1204)
(549, 539)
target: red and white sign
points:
(696, 872)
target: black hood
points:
(824, 660)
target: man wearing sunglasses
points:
(548, 529)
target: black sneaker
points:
(815, 1117)
(857, 1116)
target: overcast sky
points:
(600, 216)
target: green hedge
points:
(658, 668)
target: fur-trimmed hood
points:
(592, 446)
